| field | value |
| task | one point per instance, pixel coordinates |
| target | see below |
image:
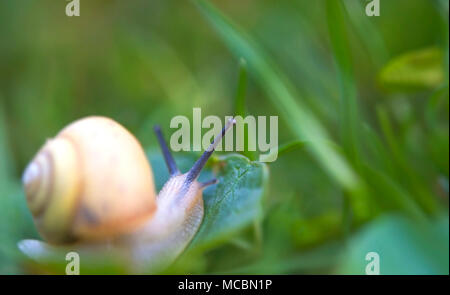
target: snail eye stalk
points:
(170, 162)
(194, 172)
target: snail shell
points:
(92, 181)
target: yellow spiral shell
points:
(92, 181)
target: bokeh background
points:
(362, 103)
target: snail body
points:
(92, 185)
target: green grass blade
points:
(391, 195)
(417, 188)
(441, 7)
(368, 32)
(241, 91)
(301, 122)
(240, 108)
(348, 101)
(290, 146)
(285, 148)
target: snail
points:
(92, 186)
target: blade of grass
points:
(319, 88)
(299, 119)
(154, 52)
(348, 103)
(241, 91)
(240, 108)
(290, 146)
(432, 106)
(368, 33)
(416, 186)
(393, 194)
(377, 155)
(348, 110)
(441, 7)
(283, 149)
(438, 143)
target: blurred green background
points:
(364, 101)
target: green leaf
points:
(236, 202)
(404, 247)
(231, 205)
(417, 70)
